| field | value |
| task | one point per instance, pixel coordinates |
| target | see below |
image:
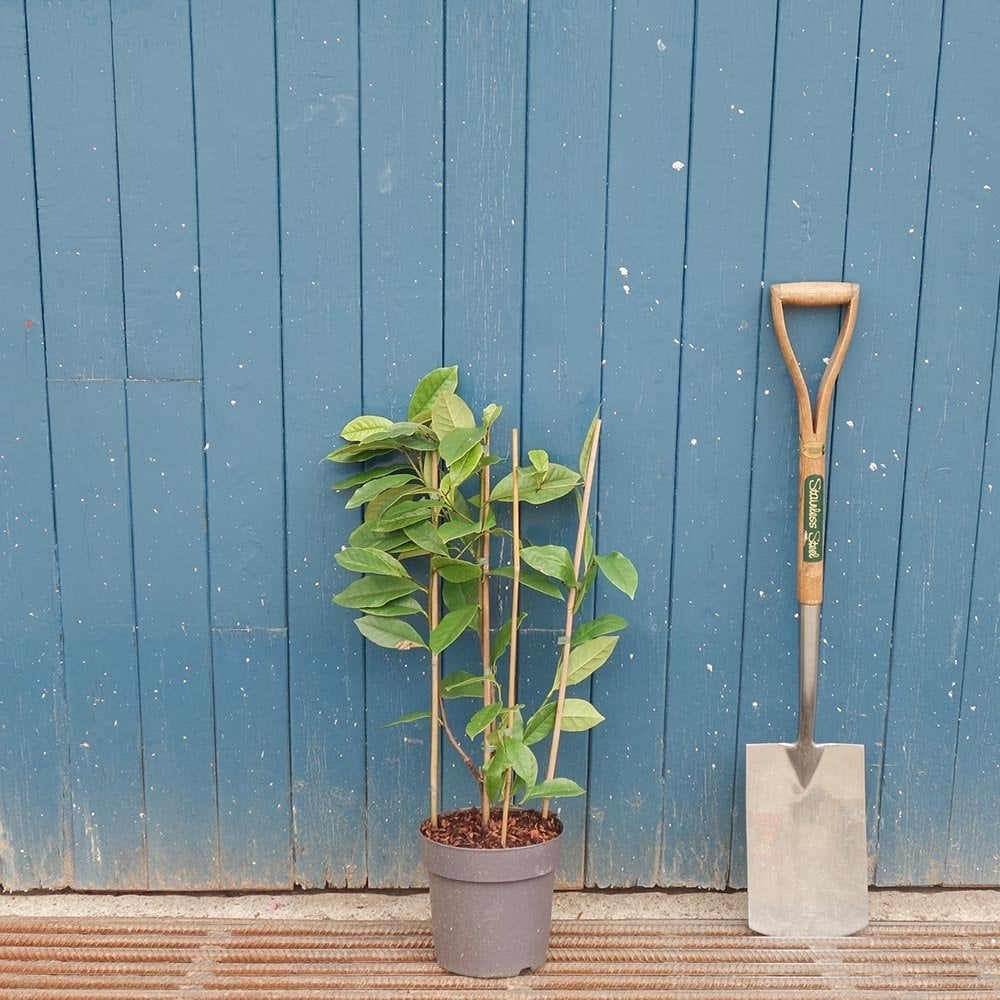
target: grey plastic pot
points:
(491, 909)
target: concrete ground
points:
(957, 905)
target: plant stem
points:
(467, 760)
(570, 601)
(484, 620)
(515, 594)
(433, 615)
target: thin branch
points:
(459, 749)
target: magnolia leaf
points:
(390, 633)
(370, 560)
(483, 719)
(584, 589)
(402, 608)
(540, 724)
(558, 482)
(370, 490)
(450, 530)
(409, 717)
(360, 427)
(529, 578)
(490, 414)
(377, 506)
(620, 572)
(540, 460)
(579, 716)
(434, 382)
(494, 776)
(456, 570)
(502, 640)
(359, 478)
(557, 788)
(424, 535)
(460, 595)
(462, 684)
(358, 452)
(522, 760)
(365, 536)
(585, 659)
(449, 412)
(451, 627)
(403, 513)
(588, 441)
(605, 625)
(463, 467)
(459, 442)
(552, 560)
(374, 591)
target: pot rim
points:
(490, 850)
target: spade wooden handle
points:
(813, 421)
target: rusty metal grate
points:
(93, 959)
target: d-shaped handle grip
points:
(816, 293)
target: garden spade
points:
(807, 865)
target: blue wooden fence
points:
(229, 227)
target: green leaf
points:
(579, 716)
(437, 381)
(450, 530)
(502, 640)
(365, 536)
(463, 467)
(409, 717)
(586, 658)
(390, 633)
(620, 572)
(451, 627)
(370, 560)
(456, 570)
(588, 440)
(462, 684)
(358, 452)
(377, 506)
(449, 412)
(402, 608)
(374, 591)
(460, 595)
(490, 414)
(483, 719)
(540, 724)
(360, 427)
(495, 775)
(558, 482)
(605, 625)
(459, 442)
(370, 490)
(522, 760)
(585, 584)
(403, 513)
(529, 578)
(557, 788)
(540, 460)
(552, 560)
(367, 475)
(424, 535)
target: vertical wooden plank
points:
(90, 462)
(152, 58)
(32, 754)
(955, 344)
(233, 52)
(807, 203)
(568, 92)
(973, 852)
(74, 120)
(401, 219)
(174, 639)
(647, 200)
(320, 252)
(487, 49)
(897, 72)
(726, 213)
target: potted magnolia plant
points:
(437, 521)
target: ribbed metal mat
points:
(100, 959)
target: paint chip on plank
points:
(678, 165)
(661, 44)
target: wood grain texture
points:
(725, 246)
(643, 288)
(402, 116)
(32, 747)
(321, 311)
(954, 357)
(73, 114)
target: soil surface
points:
(463, 828)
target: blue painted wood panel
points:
(228, 228)
(317, 57)
(402, 168)
(32, 744)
